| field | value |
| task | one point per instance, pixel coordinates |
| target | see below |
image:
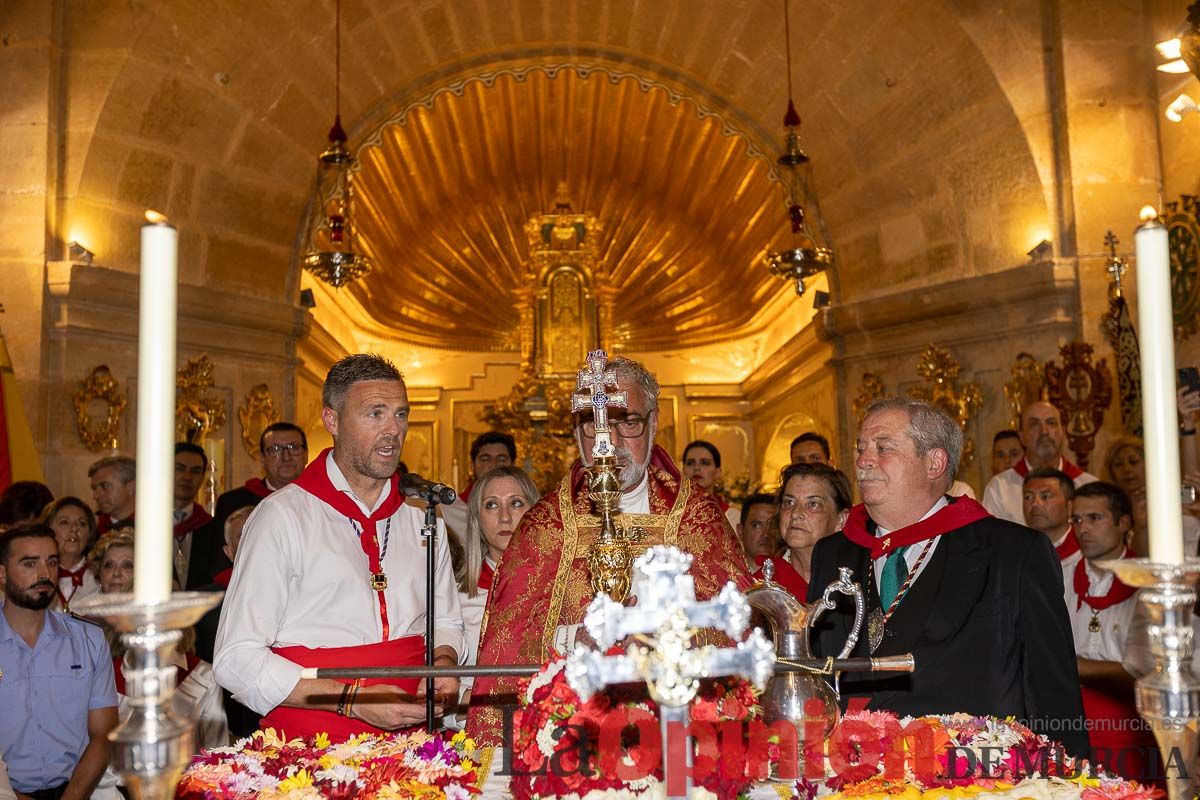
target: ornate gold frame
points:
(1081, 391)
(198, 412)
(99, 385)
(257, 413)
(942, 389)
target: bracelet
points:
(353, 696)
(342, 708)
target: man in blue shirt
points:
(58, 698)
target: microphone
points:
(413, 485)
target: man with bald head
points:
(1042, 436)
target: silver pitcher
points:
(790, 621)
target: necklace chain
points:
(912, 575)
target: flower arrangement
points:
(418, 765)
(565, 748)
(873, 755)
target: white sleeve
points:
(6, 790)
(199, 699)
(252, 612)
(991, 498)
(448, 627)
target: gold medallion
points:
(378, 581)
(875, 627)
(1094, 625)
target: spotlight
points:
(306, 299)
(821, 300)
(1042, 251)
(80, 254)
(1180, 106)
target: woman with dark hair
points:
(702, 463)
(814, 500)
(23, 501)
(74, 525)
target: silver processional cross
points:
(670, 667)
(591, 391)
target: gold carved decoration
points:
(197, 412)
(255, 415)
(537, 414)
(870, 389)
(1027, 385)
(99, 388)
(1081, 391)
(940, 371)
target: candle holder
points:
(1169, 697)
(151, 747)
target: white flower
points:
(339, 773)
(543, 678)
(996, 734)
(546, 740)
(456, 792)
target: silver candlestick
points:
(151, 747)
(1168, 697)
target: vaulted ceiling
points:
(443, 197)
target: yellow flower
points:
(458, 738)
(468, 764)
(297, 781)
(322, 740)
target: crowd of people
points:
(1005, 604)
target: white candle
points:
(155, 413)
(1157, 340)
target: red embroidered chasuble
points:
(542, 579)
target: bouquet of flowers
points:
(417, 765)
(872, 755)
(610, 746)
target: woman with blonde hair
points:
(1125, 467)
(499, 498)
(197, 695)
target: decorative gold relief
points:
(257, 412)
(1027, 385)
(198, 413)
(1081, 391)
(870, 389)
(99, 403)
(940, 371)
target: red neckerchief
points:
(1069, 546)
(465, 494)
(76, 575)
(105, 523)
(1117, 593)
(258, 486)
(222, 577)
(785, 575)
(192, 521)
(960, 511)
(315, 480)
(721, 501)
(1064, 466)
(486, 573)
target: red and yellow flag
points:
(18, 457)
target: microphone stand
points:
(429, 534)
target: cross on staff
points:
(670, 667)
(591, 392)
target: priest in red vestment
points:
(541, 587)
(331, 572)
(976, 600)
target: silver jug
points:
(790, 621)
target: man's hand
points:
(389, 707)
(1187, 401)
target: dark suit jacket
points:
(985, 621)
(208, 542)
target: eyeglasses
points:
(628, 428)
(276, 450)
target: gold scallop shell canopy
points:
(444, 191)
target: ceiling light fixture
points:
(800, 256)
(329, 242)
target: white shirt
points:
(1116, 622)
(1004, 495)
(301, 578)
(637, 499)
(74, 594)
(914, 551)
